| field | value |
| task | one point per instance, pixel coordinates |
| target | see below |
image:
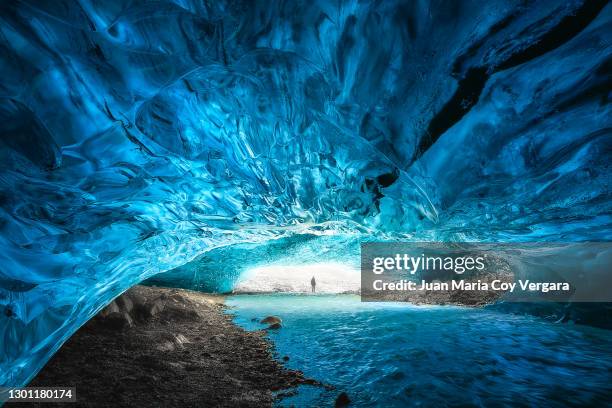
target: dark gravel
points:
(158, 347)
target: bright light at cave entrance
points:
(330, 278)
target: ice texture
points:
(138, 136)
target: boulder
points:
(342, 400)
(271, 320)
(117, 321)
(156, 306)
(274, 326)
(112, 307)
(124, 303)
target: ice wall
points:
(137, 136)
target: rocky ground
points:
(157, 347)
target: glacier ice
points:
(137, 137)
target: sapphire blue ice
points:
(139, 136)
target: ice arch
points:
(137, 137)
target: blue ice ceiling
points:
(136, 136)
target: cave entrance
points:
(331, 278)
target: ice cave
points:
(190, 142)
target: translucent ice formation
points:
(138, 136)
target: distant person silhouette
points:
(313, 283)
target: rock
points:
(286, 358)
(342, 400)
(136, 296)
(155, 306)
(172, 343)
(124, 303)
(166, 346)
(180, 339)
(117, 321)
(112, 307)
(274, 326)
(271, 320)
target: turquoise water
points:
(395, 355)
